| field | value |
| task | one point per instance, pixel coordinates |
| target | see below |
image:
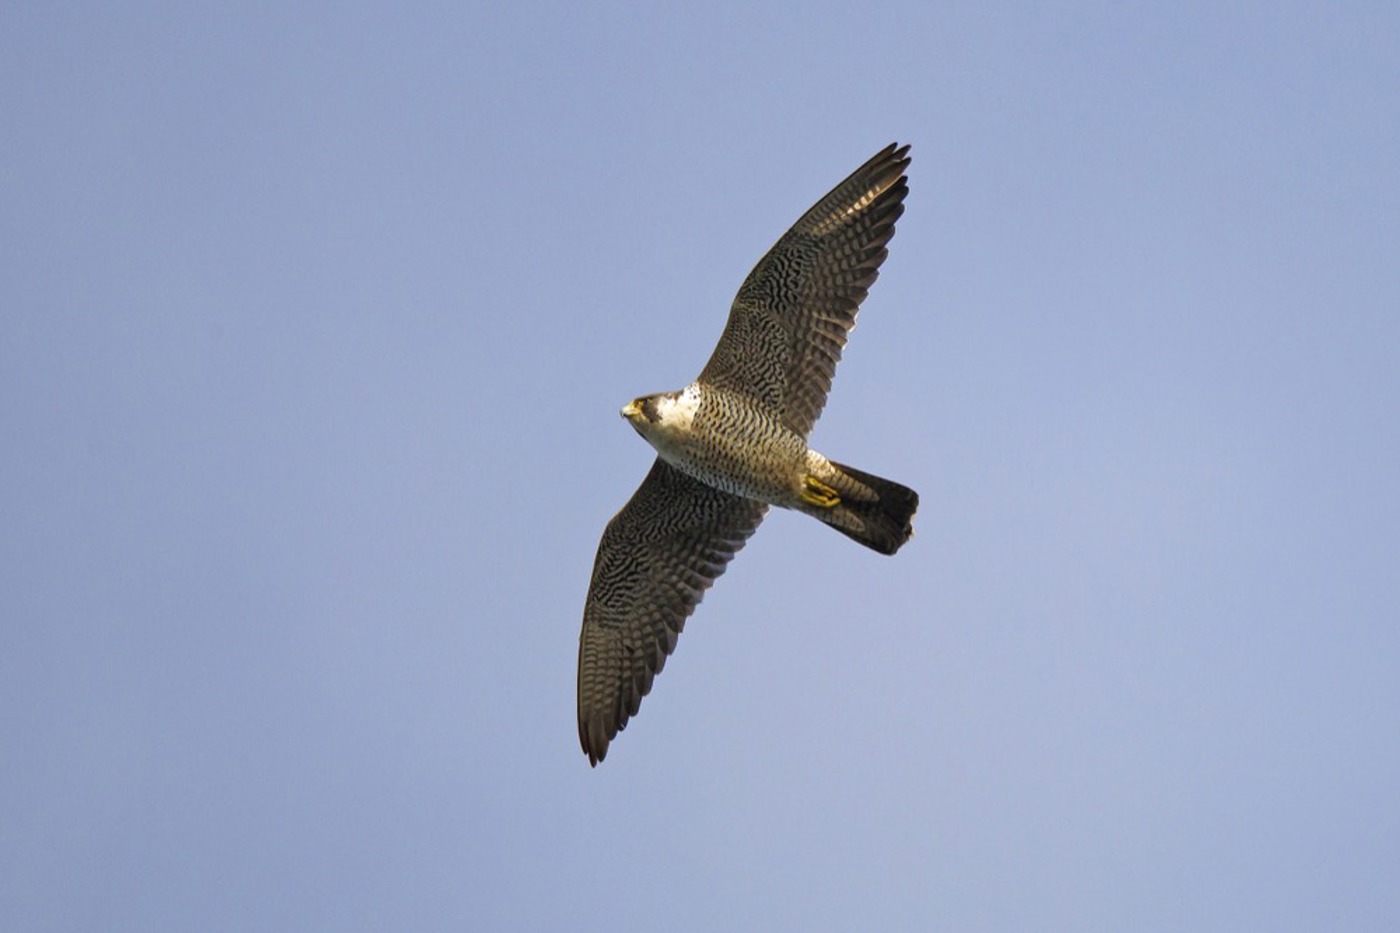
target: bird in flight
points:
(734, 442)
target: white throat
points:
(679, 413)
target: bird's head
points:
(662, 412)
(641, 410)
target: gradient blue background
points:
(315, 328)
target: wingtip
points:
(887, 167)
(594, 740)
(895, 152)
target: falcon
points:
(734, 442)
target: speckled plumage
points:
(735, 441)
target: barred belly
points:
(740, 447)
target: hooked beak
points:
(631, 410)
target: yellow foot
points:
(815, 492)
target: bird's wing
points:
(658, 556)
(789, 322)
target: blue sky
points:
(315, 328)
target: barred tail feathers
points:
(882, 524)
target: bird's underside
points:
(735, 441)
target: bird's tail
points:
(876, 512)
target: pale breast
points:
(740, 446)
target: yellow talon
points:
(815, 492)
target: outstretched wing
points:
(789, 322)
(658, 556)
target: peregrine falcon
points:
(734, 442)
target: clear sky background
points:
(316, 322)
